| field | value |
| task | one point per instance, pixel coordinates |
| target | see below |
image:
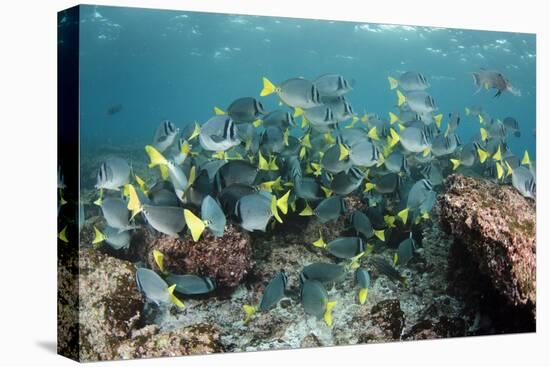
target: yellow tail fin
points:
(456, 163)
(179, 304)
(140, 183)
(262, 162)
(403, 214)
(438, 119)
(373, 134)
(509, 170)
(500, 170)
(369, 186)
(389, 220)
(482, 155)
(320, 242)
(483, 134)
(196, 131)
(257, 123)
(133, 203)
(498, 155)
(426, 151)
(298, 112)
(401, 99)
(268, 87)
(155, 156)
(219, 111)
(98, 236)
(380, 234)
(306, 141)
(99, 200)
(282, 202)
(393, 118)
(393, 82)
(274, 210)
(63, 235)
(306, 212)
(326, 191)
(526, 159)
(395, 259)
(363, 292)
(159, 259)
(481, 119)
(196, 225)
(394, 137)
(344, 153)
(328, 312)
(249, 311)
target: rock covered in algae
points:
(150, 342)
(226, 259)
(110, 304)
(496, 224)
(384, 322)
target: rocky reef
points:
(226, 259)
(110, 315)
(472, 274)
(494, 227)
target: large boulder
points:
(110, 304)
(225, 259)
(497, 227)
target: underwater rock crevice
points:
(494, 226)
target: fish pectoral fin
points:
(196, 225)
(328, 312)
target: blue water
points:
(178, 65)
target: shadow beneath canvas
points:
(48, 345)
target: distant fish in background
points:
(114, 109)
(493, 79)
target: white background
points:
(28, 179)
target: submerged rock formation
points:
(225, 259)
(496, 225)
(110, 312)
(149, 342)
(110, 304)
